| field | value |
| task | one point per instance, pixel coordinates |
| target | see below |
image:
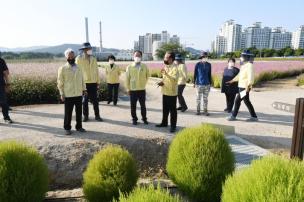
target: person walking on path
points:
(232, 89)
(202, 83)
(182, 80)
(246, 80)
(137, 75)
(112, 77)
(4, 90)
(88, 64)
(71, 88)
(169, 91)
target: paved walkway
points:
(42, 125)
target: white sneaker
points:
(231, 118)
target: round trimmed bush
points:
(23, 173)
(149, 194)
(111, 171)
(199, 161)
(269, 179)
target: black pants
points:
(247, 102)
(92, 96)
(181, 99)
(140, 96)
(113, 92)
(3, 103)
(230, 100)
(169, 106)
(69, 104)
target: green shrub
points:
(149, 194)
(111, 170)
(270, 179)
(269, 76)
(199, 161)
(35, 90)
(23, 173)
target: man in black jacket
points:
(4, 89)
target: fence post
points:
(298, 131)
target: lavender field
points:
(49, 69)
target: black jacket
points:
(228, 75)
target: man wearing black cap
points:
(4, 89)
(88, 64)
(202, 82)
(246, 80)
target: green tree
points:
(175, 47)
(299, 52)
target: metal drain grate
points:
(244, 151)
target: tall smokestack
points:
(87, 29)
(100, 35)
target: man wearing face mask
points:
(112, 74)
(137, 75)
(182, 79)
(88, 64)
(202, 82)
(71, 87)
(230, 90)
(169, 90)
(246, 80)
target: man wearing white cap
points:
(71, 87)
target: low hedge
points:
(37, 90)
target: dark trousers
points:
(140, 96)
(247, 102)
(92, 96)
(181, 99)
(169, 106)
(113, 92)
(230, 100)
(69, 104)
(3, 103)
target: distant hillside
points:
(193, 51)
(52, 49)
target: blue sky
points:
(53, 22)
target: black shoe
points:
(68, 132)
(115, 103)
(109, 102)
(179, 108)
(146, 122)
(98, 119)
(10, 109)
(134, 123)
(198, 113)
(172, 130)
(85, 119)
(81, 130)
(8, 121)
(161, 125)
(184, 109)
(226, 110)
(229, 111)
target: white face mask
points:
(230, 64)
(204, 59)
(90, 52)
(137, 59)
(111, 62)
